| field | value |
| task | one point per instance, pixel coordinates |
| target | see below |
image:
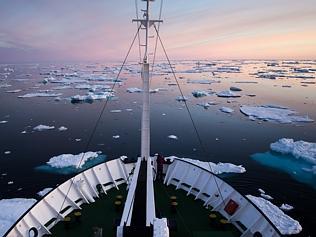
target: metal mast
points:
(146, 23)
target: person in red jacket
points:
(160, 161)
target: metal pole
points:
(145, 131)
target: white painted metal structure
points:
(199, 182)
(83, 188)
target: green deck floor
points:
(191, 217)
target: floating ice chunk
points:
(226, 110)
(62, 128)
(7, 152)
(14, 91)
(77, 161)
(201, 81)
(43, 128)
(90, 97)
(299, 149)
(261, 191)
(78, 139)
(174, 137)
(285, 224)
(286, 207)
(11, 210)
(198, 94)
(134, 90)
(228, 93)
(43, 192)
(40, 94)
(181, 98)
(266, 196)
(4, 85)
(23, 132)
(273, 113)
(3, 121)
(218, 168)
(204, 105)
(116, 111)
(10, 182)
(116, 136)
(233, 88)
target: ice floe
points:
(218, 168)
(299, 149)
(41, 127)
(228, 94)
(226, 110)
(201, 81)
(182, 98)
(285, 224)
(273, 113)
(198, 94)
(134, 90)
(77, 161)
(43, 192)
(14, 91)
(286, 207)
(62, 128)
(116, 136)
(266, 196)
(11, 210)
(90, 97)
(233, 88)
(174, 137)
(40, 94)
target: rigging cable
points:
(156, 43)
(189, 112)
(138, 24)
(98, 120)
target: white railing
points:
(205, 185)
(69, 196)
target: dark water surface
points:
(226, 137)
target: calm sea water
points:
(226, 137)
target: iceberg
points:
(299, 149)
(39, 94)
(228, 94)
(43, 192)
(116, 136)
(285, 224)
(41, 127)
(3, 121)
(77, 161)
(11, 210)
(218, 168)
(273, 113)
(226, 110)
(298, 169)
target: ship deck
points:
(189, 219)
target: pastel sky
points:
(95, 30)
